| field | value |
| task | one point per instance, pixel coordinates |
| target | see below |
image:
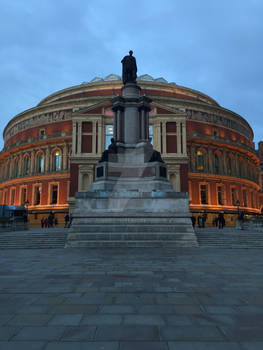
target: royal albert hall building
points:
(50, 151)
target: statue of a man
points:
(129, 69)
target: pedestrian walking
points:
(43, 222)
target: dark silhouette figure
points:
(43, 222)
(109, 153)
(193, 219)
(129, 69)
(241, 220)
(221, 221)
(66, 221)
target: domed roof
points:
(145, 77)
(96, 79)
(111, 77)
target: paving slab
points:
(204, 346)
(82, 346)
(131, 298)
(22, 345)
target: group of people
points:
(52, 221)
(49, 221)
(218, 221)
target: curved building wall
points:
(221, 174)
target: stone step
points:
(234, 240)
(106, 236)
(131, 244)
(131, 228)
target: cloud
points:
(209, 45)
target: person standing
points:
(221, 221)
(66, 221)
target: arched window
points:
(26, 165)
(40, 163)
(200, 161)
(57, 161)
(216, 164)
(15, 168)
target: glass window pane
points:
(108, 135)
(151, 133)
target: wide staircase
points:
(212, 237)
(209, 237)
(33, 239)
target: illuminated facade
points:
(50, 150)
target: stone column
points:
(47, 159)
(184, 150)
(80, 137)
(164, 136)
(32, 162)
(210, 160)
(179, 137)
(74, 138)
(64, 157)
(100, 136)
(20, 164)
(193, 158)
(157, 136)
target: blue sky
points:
(212, 46)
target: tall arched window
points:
(26, 165)
(217, 164)
(200, 161)
(15, 168)
(40, 163)
(57, 161)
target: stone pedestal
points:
(131, 202)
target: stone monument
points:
(131, 202)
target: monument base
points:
(131, 218)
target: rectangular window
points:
(203, 194)
(23, 196)
(171, 137)
(37, 195)
(108, 135)
(245, 198)
(42, 132)
(220, 195)
(233, 196)
(13, 193)
(54, 194)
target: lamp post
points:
(237, 204)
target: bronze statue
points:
(129, 69)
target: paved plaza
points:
(131, 299)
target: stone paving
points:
(131, 298)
